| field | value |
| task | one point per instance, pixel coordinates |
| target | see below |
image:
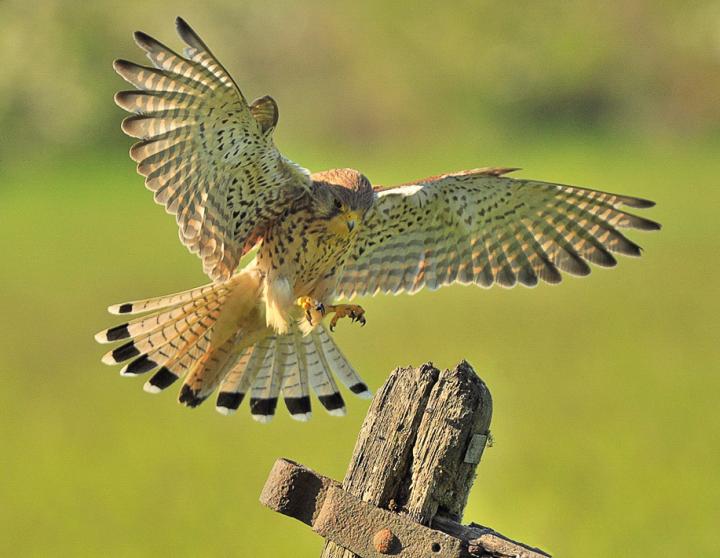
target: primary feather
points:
(483, 228)
(208, 156)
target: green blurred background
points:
(606, 415)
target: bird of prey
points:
(209, 157)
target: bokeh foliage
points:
(605, 388)
(383, 70)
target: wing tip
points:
(640, 203)
(121, 99)
(188, 34)
(180, 23)
(134, 126)
(143, 40)
(650, 225)
(122, 66)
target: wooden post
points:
(409, 477)
(411, 453)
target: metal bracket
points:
(476, 448)
(369, 531)
(373, 533)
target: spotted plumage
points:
(256, 333)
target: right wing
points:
(480, 227)
(208, 155)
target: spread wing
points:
(480, 227)
(208, 155)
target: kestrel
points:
(209, 157)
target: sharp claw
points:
(320, 308)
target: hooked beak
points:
(351, 220)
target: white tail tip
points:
(108, 359)
(224, 411)
(149, 388)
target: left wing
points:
(480, 227)
(207, 154)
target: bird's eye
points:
(338, 204)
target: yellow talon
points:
(311, 305)
(353, 311)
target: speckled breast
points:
(301, 248)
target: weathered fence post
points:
(409, 477)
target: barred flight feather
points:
(240, 378)
(176, 347)
(290, 365)
(294, 382)
(208, 156)
(146, 342)
(208, 371)
(319, 375)
(265, 389)
(148, 324)
(156, 303)
(480, 227)
(339, 364)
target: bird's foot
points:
(314, 310)
(354, 312)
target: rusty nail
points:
(383, 540)
(476, 550)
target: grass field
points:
(606, 417)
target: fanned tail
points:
(196, 335)
(290, 365)
(216, 335)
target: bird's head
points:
(342, 197)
